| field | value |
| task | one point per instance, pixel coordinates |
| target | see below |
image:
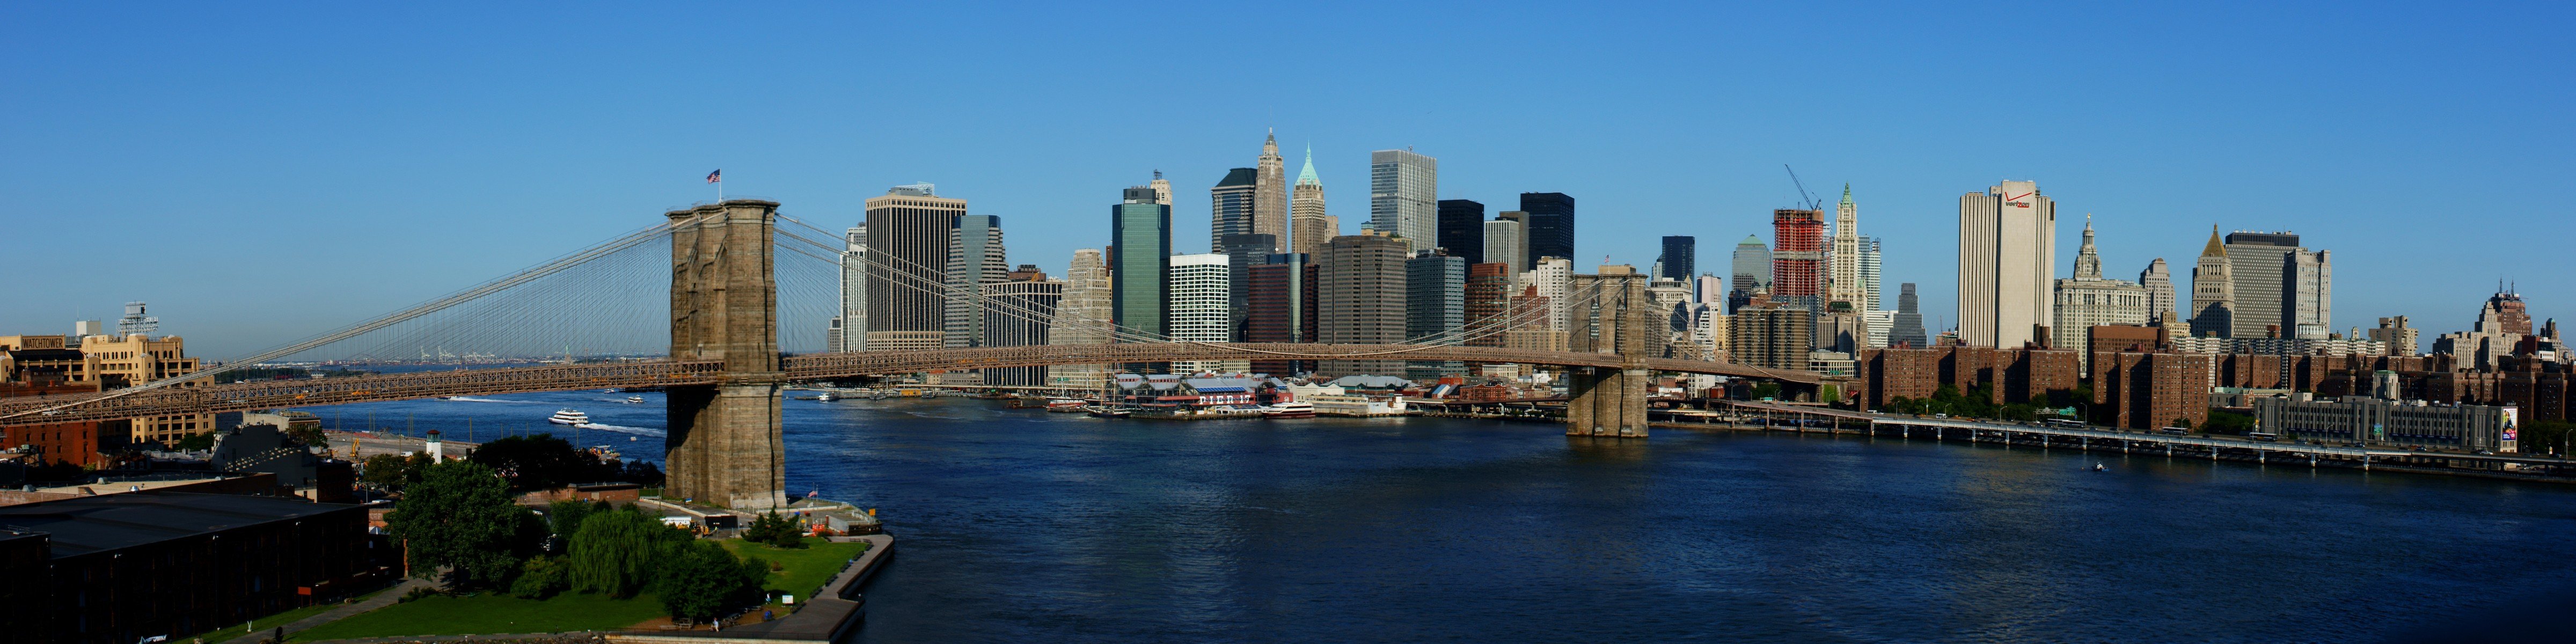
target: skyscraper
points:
(1200, 303)
(2088, 300)
(1550, 228)
(1140, 270)
(1083, 317)
(1870, 268)
(1403, 190)
(1798, 258)
(2160, 291)
(2007, 259)
(1270, 195)
(1709, 289)
(1462, 229)
(1752, 264)
(1506, 243)
(1020, 311)
(1909, 320)
(908, 232)
(1435, 306)
(1242, 252)
(1306, 209)
(1843, 279)
(850, 332)
(1230, 205)
(2213, 291)
(1487, 286)
(2308, 294)
(1282, 303)
(1681, 258)
(1362, 293)
(1162, 189)
(1554, 280)
(975, 258)
(2259, 263)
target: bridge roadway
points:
(272, 394)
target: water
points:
(1017, 525)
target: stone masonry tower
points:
(724, 448)
(1602, 401)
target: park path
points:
(380, 600)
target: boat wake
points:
(492, 400)
(644, 431)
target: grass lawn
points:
(490, 613)
(806, 568)
(265, 623)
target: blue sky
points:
(263, 172)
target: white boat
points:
(825, 396)
(634, 399)
(1296, 409)
(569, 417)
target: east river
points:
(1018, 525)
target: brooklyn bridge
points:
(725, 370)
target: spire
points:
(1306, 177)
(1270, 146)
(2215, 248)
(1846, 194)
(2088, 264)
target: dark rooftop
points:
(107, 522)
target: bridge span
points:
(725, 372)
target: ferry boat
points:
(569, 417)
(634, 399)
(1296, 409)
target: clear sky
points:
(263, 172)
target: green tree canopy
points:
(460, 515)
(541, 462)
(699, 579)
(617, 552)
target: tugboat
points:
(1296, 409)
(569, 417)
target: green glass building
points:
(1140, 264)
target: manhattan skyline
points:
(456, 148)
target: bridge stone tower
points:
(1605, 401)
(724, 446)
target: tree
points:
(565, 516)
(2227, 422)
(617, 552)
(700, 579)
(1831, 394)
(1769, 390)
(309, 435)
(642, 473)
(195, 442)
(775, 530)
(393, 472)
(540, 462)
(539, 578)
(460, 515)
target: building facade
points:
(908, 233)
(1843, 268)
(1681, 258)
(2213, 291)
(1242, 252)
(1798, 258)
(1282, 297)
(1311, 225)
(1435, 310)
(1908, 329)
(1770, 336)
(2007, 261)
(1752, 265)
(1140, 264)
(975, 259)
(1230, 205)
(849, 332)
(1201, 304)
(1549, 230)
(1361, 295)
(1506, 242)
(1270, 207)
(2158, 280)
(1082, 317)
(2088, 300)
(1462, 229)
(2373, 420)
(1404, 190)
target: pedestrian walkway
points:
(380, 600)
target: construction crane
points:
(1812, 203)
